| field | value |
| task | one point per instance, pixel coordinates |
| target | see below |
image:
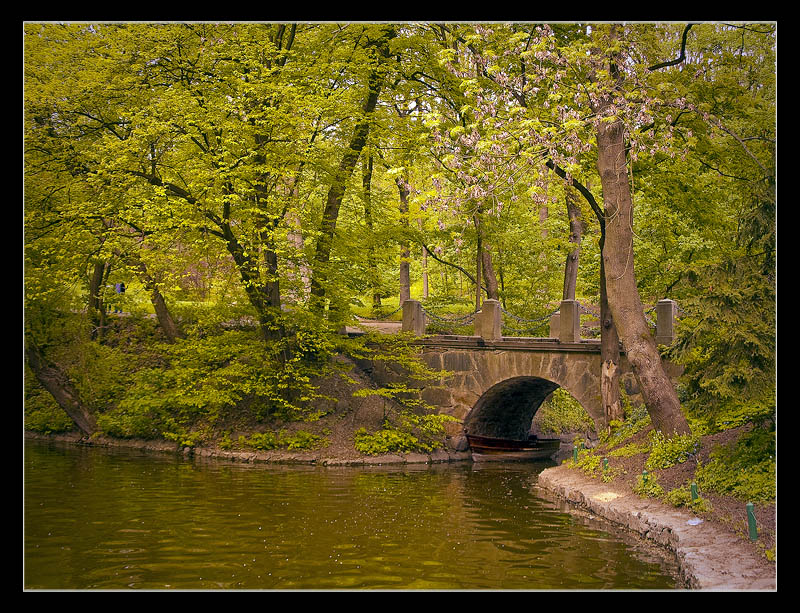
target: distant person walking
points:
(120, 289)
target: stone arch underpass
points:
(494, 388)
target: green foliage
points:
(588, 461)
(43, 415)
(135, 420)
(648, 487)
(562, 413)
(745, 469)
(301, 440)
(388, 440)
(414, 434)
(263, 441)
(636, 420)
(269, 440)
(667, 451)
(204, 197)
(682, 497)
(199, 379)
(627, 451)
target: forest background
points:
(258, 186)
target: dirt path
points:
(710, 557)
(384, 327)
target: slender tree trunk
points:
(265, 297)
(488, 272)
(163, 315)
(623, 296)
(575, 233)
(58, 384)
(372, 267)
(478, 266)
(298, 269)
(97, 307)
(336, 189)
(405, 251)
(425, 289)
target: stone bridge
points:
(494, 385)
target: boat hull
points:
(486, 449)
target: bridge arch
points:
(506, 409)
(487, 386)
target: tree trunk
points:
(478, 267)
(405, 251)
(625, 304)
(97, 307)
(425, 288)
(163, 315)
(298, 268)
(336, 189)
(488, 273)
(372, 267)
(57, 383)
(609, 350)
(575, 232)
(264, 296)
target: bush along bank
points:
(710, 497)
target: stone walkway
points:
(710, 557)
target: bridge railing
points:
(565, 324)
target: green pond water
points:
(122, 519)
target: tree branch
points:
(678, 59)
(581, 188)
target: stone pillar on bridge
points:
(488, 321)
(413, 317)
(555, 325)
(569, 322)
(665, 321)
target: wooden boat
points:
(486, 449)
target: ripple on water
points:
(116, 521)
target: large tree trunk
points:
(609, 351)
(626, 307)
(56, 381)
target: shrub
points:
(134, 420)
(682, 497)
(744, 469)
(648, 488)
(668, 451)
(301, 440)
(42, 413)
(387, 440)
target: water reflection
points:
(99, 519)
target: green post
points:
(644, 477)
(751, 522)
(694, 492)
(605, 464)
(574, 453)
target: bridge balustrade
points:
(564, 324)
